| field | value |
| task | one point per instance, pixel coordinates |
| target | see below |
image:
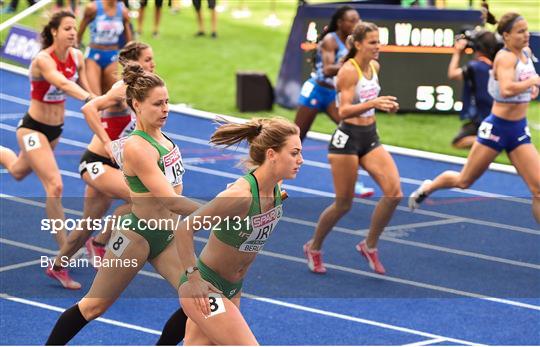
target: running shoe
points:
(314, 259)
(362, 191)
(94, 251)
(63, 277)
(372, 256)
(418, 196)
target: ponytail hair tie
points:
(259, 129)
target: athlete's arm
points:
(91, 110)
(47, 68)
(232, 203)
(328, 55)
(141, 158)
(505, 70)
(127, 28)
(346, 85)
(81, 66)
(89, 14)
(455, 72)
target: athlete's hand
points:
(386, 103)
(108, 149)
(534, 92)
(198, 290)
(460, 45)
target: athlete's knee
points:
(464, 182)
(92, 308)
(343, 205)
(54, 187)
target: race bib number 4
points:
(174, 168)
(484, 130)
(263, 225)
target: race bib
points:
(339, 140)
(31, 141)
(307, 88)
(117, 148)
(174, 168)
(118, 244)
(217, 305)
(484, 130)
(95, 169)
(262, 226)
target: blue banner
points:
(21, 45)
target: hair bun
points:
(132, 71)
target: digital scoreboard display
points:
(416, 47)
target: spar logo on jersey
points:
(171, 157)
(268, 217)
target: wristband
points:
(87, 100)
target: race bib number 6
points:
(31, 141)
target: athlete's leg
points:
(527, 163)
(477, 163)
(41, 159)
(216, 329)
(381, 167)
(109, 76)
(108, 284)
(304, 119)
(93, 73)
(344, 172)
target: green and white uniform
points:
(255, 230)
(170, 163)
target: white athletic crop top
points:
(365, 89)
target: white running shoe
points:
(418, 196)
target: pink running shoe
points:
(94, 251)
(372, 256)
(314, 259)
(62, 276)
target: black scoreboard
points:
(416, 47)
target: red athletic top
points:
(42, 90)
(118, 124)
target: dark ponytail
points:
(47, 38)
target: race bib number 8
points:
(118, 244)
(217, 305)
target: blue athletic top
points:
(524, 71)
(477, 102)
(104, 29)
(340, 52)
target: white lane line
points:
(306, 161)
(373, 203)
(356, 272)
(19, 265)
(363, 232)
(61, 309)
(425, 342)
(356, 319)
(266, 300)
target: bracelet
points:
(87, 100)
